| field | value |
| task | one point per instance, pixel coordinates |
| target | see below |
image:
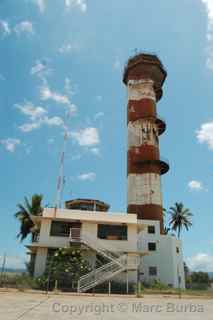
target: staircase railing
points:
(118, 261)
(106, 251)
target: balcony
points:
(164, 164)
(161, 125)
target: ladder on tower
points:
(117, 261)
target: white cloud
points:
(200, 262)
(195, 185)
(205, 134)
(117, 64)
(209, 9)
(99, 98)
(90, 176)
(41, 4)
(24, 27)
(86, 137)
(38, 117)
(95, 151)
(80, 4)
(39, 68)
(4, 28)
(98, 115)
(51, 141)
(54, 121)
(68, 48)
(14, 262)
(69, 87)
(10, 144)
(28, 127)
(30, 110)
(47, 94)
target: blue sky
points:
(67, 57)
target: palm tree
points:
(24, 215)
(166, 230)
(179, 217)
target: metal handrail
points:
(106, 250)
(119, 261)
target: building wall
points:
(88, 230)
(40, 261)
(169, 263)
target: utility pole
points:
(3, 266)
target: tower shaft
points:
(144, 76)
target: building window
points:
(151, 229)
(112, 232)
(62, 229)
(153, 271)
(177, 250)
(152, 246)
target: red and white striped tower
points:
(144, 76)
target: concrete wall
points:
(169, 263)
(89, 230)
(40, 261)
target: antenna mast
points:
(61, 177)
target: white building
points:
(133, 248)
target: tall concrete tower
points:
(144, 76)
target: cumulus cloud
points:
(41, 4)
(4, 28)
(90, 176)
(30, 110)
(38, 116)
(40, 69)
(68, 48)
(195, 185)
(200, 262)
(21, 27)
(209, 9)
(80, 4)
(47, 94)
(95, 151)
(28, 127)
(117, 64)
(24, 27)
(10, 144)
(205, 134)
(86, 137)
(53, 121)
(69, 87)
(98, 115)
(99, 98)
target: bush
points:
(156, 285)
(18, 281)
(64, 268)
